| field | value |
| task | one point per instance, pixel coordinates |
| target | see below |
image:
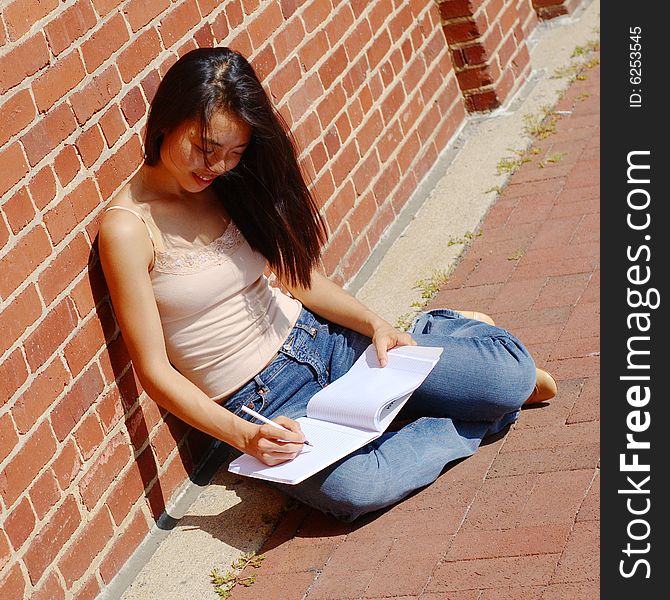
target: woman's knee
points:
(353, 487)
(519, 377)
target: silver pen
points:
(263, 419)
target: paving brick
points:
(556, 497)
(577, 121)
(585, 206)
(582, 174)
(579, 195)
(558, 267)
(517, 593)
(532, 171)
(592, 293)
(547, 186)
(397, 575)
(520, 541)
(499, 214)
(499, 503)
(541, 257)
(532, 209)
(486, 249)
(570, 149)
(360, 554)
(465, 268)
(443, 493)
(531, 335)
(298, 555)
(275, 586)
(556, 233)
(556, 411)
(541, 318)
(579, 562)
(479, 298)
(340, 586)
(553, 436)
(495, 270)
(591, 153)
(577, 134)
(317, 525)
(540, 351)
(518, 296)
(286, 528)
(546, 460)
(562, 290)
(587, 366)
(398, 523)
(588, 230)
(493, 573)
(460, 595)
(576, 348)
(572, 591)
(590, 508)
(513, 231)
(587, 405)
(475, 467)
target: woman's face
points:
(195, 167)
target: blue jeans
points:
(483, 377)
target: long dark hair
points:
(265, 194)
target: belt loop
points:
(420, 322)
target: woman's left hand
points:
(386, 337)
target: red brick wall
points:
(487, 40)
(548, 9)
(88, 461)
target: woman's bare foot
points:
(477, 316)
(545, 388)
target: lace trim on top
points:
(180, 260)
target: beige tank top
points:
(221, 319)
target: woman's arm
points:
(125, 254)
(330, 301)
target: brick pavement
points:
(520, 519)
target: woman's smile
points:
(204, 179)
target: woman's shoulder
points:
(123, 227)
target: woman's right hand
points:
(273, 446)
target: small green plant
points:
(511, 164)
(467, 236)
(428, 288)
(582, 59)
(431, 285)
(496, 189)
(404, 321)
(517, 255)
(224, 584)
(543, 125)
(586, 50)
(554, 158)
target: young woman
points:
(184, 246)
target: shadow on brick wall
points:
(164, 449)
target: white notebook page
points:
(340, 402)
(330, 443)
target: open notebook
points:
(350, 412)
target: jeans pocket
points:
(302, 346)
